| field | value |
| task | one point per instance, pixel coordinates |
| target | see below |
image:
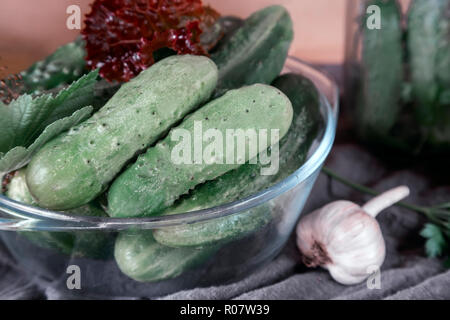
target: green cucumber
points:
(77, 166)
(256, 53)
(143, 259)
(214, 232)
(64, 66)
(429, 51)
(77, 244)
(379, 97)
(247, 180)
(155, 181)
(228, 26)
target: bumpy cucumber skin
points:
(378, 103)
(154, 182)
(247, 180)
(77, 244)
(429, 51)
(143, 259)
(77, 166)
(256, 53)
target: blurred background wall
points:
(31, 29)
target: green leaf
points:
(443, 206)
(19, 157)
(25, 118)
(435, 244)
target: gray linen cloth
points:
(406, 273)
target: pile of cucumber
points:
(402, 86)
(123, 152)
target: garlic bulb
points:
(345, 238)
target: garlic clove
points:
(341, 275)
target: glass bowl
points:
(51, 246)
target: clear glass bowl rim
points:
(29, 218)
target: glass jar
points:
(395, 93)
